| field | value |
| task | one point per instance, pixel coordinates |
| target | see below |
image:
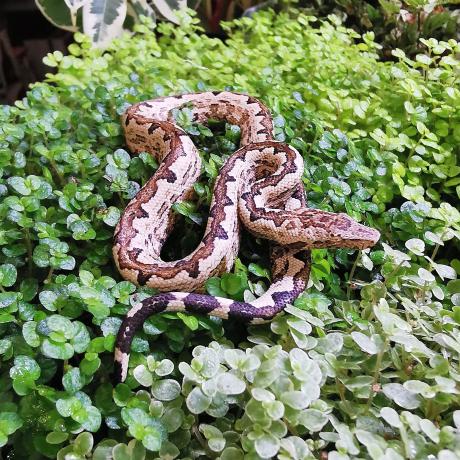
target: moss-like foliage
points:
(364, 365)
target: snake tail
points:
(291, 270)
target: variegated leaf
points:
(167, 7)
(74, 6)
(141, 8)
(57, 12)
(103, 20)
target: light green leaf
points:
(445, 271)
(429, 428)
(402, 397)
(267, 445)
(8, 275)
(313, 419)
(143, 375)
(83, 443)
(295, 399)
(166, 390)
(390, 416)
(230, 384)
(425, 275)
(165, 367)
(416, 246)
(197, 401)
(57, 350)
(371, 345)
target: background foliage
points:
(395, 23)
(364, 365)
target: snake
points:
(259, 187)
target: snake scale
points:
(259, 186)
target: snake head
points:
(347, 233)
(323, 229)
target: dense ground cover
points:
(364, 365)
(396, 24)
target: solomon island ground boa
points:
(259, 186)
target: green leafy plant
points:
(397, 24)
(363, 365)
(104, 20)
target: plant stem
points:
(122, 201)
(429, 407)
(230, 11)
(378, 365)
(436, 248)
(393, 271)
(405, 441)
(208, 9)
(352, 273)
(29, 250)
(423, 291)
(48, 277)
(435, 251)
(312, 143)
(290, 428)
(340, 389)
(56, 172)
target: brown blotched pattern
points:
(259, 186)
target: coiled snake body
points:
(259, 186)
